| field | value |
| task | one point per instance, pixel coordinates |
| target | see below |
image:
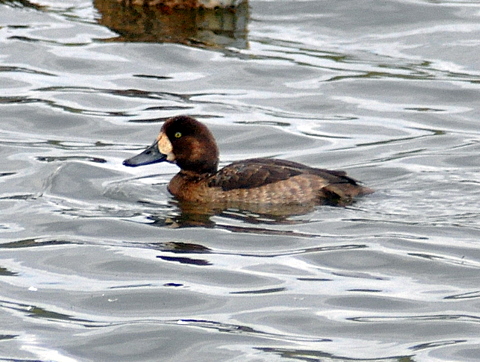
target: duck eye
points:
(178, 134)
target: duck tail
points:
(343, 194)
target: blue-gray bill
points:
(147, 157)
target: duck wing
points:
(258, 172)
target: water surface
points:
(98, 262)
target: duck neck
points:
(199, 167)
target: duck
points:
(190, 145)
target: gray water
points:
(98, 262)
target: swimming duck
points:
(191, 146)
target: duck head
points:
(183, 141)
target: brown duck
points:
(191, 146)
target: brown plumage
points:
(188, 143)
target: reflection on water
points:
(24, 3)
(182, 4)
(192, 214)
(178, 214)
(204, 27)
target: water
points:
(98, 262)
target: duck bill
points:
(147, 157)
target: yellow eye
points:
(178, 134)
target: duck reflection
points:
(216, 28)
(254, 220)
(194, 214)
